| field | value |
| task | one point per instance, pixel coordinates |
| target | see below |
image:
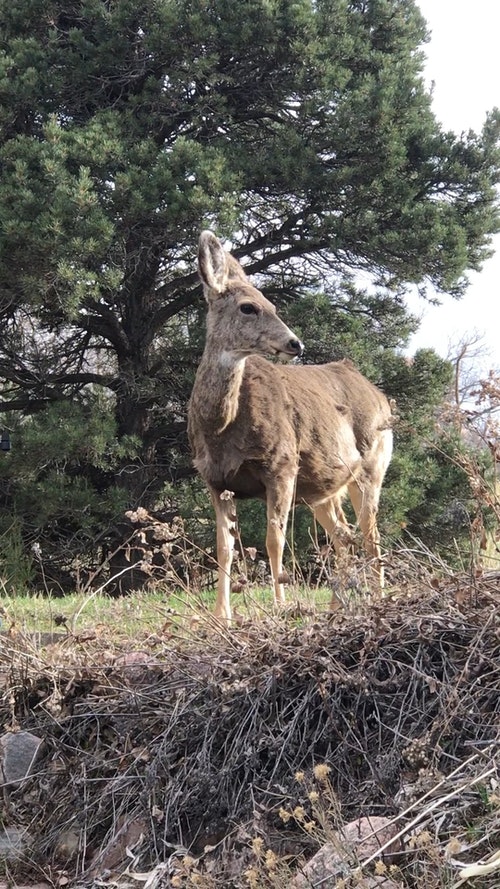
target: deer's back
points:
(316, 421)
(334, 392)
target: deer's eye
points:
(249, 309)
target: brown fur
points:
(279, 432)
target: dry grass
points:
(194, 740)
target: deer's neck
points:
(217, 389)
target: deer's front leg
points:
(279, 501)
(225, 513)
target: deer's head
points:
(240, 319)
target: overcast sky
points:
(463, 61)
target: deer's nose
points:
(296, 346)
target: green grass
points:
(140, 614)
(79, 613)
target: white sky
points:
(463, 61)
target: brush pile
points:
(197, 747)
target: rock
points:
(338, 859)
(366, 835)
(114, 856)
(19, 752)
(326, 867)
(67, 845)
(14, 841)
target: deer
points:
(282, 432)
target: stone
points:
(19, 752)
(366, 835)
(14, 841)
(338, 859)
(114, 857)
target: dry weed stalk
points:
(476, 421)
(200, 742)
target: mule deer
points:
(279, 432)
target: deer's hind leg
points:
(364, 498)
(364, 493)
(331, 517)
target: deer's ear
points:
(212, 264)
